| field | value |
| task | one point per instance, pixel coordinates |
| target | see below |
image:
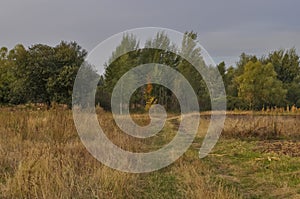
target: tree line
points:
(45, 74)
(253, 84)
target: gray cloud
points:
(226, 28)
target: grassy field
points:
(41, 156)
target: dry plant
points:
(41, 156)
(262, 126)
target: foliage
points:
(259, 87)
(153, 53)
(45, 74)
(39, 74)
(286, 64)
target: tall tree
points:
(6, 76)
(244, 59)
(154, 53)
(18, 59)
(286, 64)
(43, 74)
(190, 49)
(68, 58)
(259, 87)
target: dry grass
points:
(41, 156)
(262, 126)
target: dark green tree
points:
(6, 76)
(18, 59)
(190, 49)
(68, 58)
(40, 74)
(286, 64)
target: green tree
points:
(119, 63)
(18, 61)
(44, 74)
(6, 76)
(286, 64)
(118, 66)
(153, 53)
(244, 59)
(258, 86)
(68, 58)
(293, 94)
(190, 49)
(222, 69)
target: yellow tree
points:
(148, 96)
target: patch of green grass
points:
(159, 185)
(255, 174)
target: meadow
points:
(41, 156)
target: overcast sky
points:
(226, 28)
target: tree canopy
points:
(39, 74)
(45, 74)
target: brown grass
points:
(262, 126)
(41, 156)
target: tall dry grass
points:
(262, 126)
(41, 156)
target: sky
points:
(225, 28)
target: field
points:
(41, 156)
